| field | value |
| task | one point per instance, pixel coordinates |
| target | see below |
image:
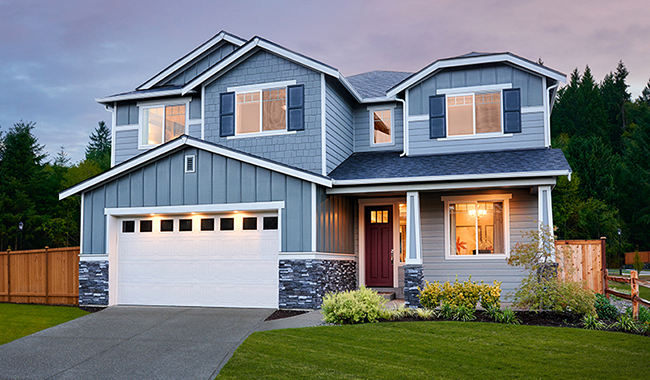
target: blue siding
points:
(126, 114)
(126, 145)
(362, 129)
(200, 64)
(339, 119)
(301, 149)
(336, 223)
(532, 136)
(530, 84)
(523, 213)
(217, 179)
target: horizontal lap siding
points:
(339, 119)
(531, 136)
(126, 145)
(362, 130)
(217, 180)
(523, 213)
(301, 149)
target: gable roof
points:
(389, 167)
(188, 141)
(374, 84)
(475, 58)
(261, 43)
(155, 92)
(189, 57)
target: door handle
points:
(392, 256)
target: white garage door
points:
(199, 260)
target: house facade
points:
(248, 175)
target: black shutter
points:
(512, 110)
(437, 110)
(296, 107)
(227, 114)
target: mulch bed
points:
(279, 314)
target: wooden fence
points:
(45, 276)
(634, 282)
(587, 258)
(644, 256)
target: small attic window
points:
(190, 164)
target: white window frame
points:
(473, 91)
(505, 198)
(371, 124)
(156, 104)
(249, 89)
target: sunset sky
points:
(57, 57)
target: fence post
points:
(603, 252)
(47, 275)
(8, 275)
(635, 294)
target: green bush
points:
(604, 309)
(637, 264)
(508, 316)
(458, 294)
(358, 306)
(591, 322)
(644, 314)
(624, 323)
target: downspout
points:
(550, 105)
(405, 126)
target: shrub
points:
(644, 314)
(540, 288)
(645, 328)
(490, 295)
(624, 323)
(464, 313)
(637, 264)
(458, 294)
(604, 309)
(493, 312)
(358, 306)
(508, 316)
(447, 311)
(431, 295)
(425, 314)
(591, 322)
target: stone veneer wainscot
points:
(303, 283)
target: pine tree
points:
(99, 147)
(645, 95)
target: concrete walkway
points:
(128, 342)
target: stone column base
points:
(93, 283)
(413, 278)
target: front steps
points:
(390, 293)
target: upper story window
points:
(381, 125)
(162, 123)
(475, 112)
(264, 109)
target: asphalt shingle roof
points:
(390, 165)
(374, 84)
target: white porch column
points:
(413, 238)
(545, 207)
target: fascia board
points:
(223, 36)
(197, 144)
(350, 88)
(474, 61)
(348, 190)
(117, 98)
(378, 100)
(447, 178)
(185, 209)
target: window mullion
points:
(476, 226)
(164, 122)
(474, 112)
(261, 112)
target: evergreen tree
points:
(645, 95)
(614, 93)
(99, 147)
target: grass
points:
(441, 350)
(17, 321)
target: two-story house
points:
(248, 175)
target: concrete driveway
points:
(128, 342)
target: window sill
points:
(493, 256)
(261, 134)
(381, 145)
(474, 137)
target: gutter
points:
(405, 126)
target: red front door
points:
(379, 246)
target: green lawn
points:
(440, 350)
(17, 321)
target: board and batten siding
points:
(336, 228)
(523, 213)
(339, 119)
(362, 133)
(216, 180)
(208, 59)
(301, 149)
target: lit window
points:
(261, 111)
(471, 114)
(161, 124)
(382, 126)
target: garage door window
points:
(167, 225)
(270, 222)
(146, 226)
(128, 226)
(185, 225)
(227, 224)
(207, 224)
(250, 224)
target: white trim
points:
(138, 160)
(316, 256)
(536, 109)
(406, 116)
(381, 99)
(314, 218)
(143, 95)
(547, 116)
(202, 112)
(83, 257)
(371, 124)
(129, 127)
(541, 206)
(81, 227)
(142, 106)
(494, 135)
(165, 102)
(439, 186)
(413, 212)
(112, 232)
(261, 134)
(191, 157)
(464, 61)
(418, 118)
(113, 111)
(323, 125)
(473, 89)
(505, 198)
(261, 86)
(445, 178)
(362, 236)
(189, 57)
(186, 209)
